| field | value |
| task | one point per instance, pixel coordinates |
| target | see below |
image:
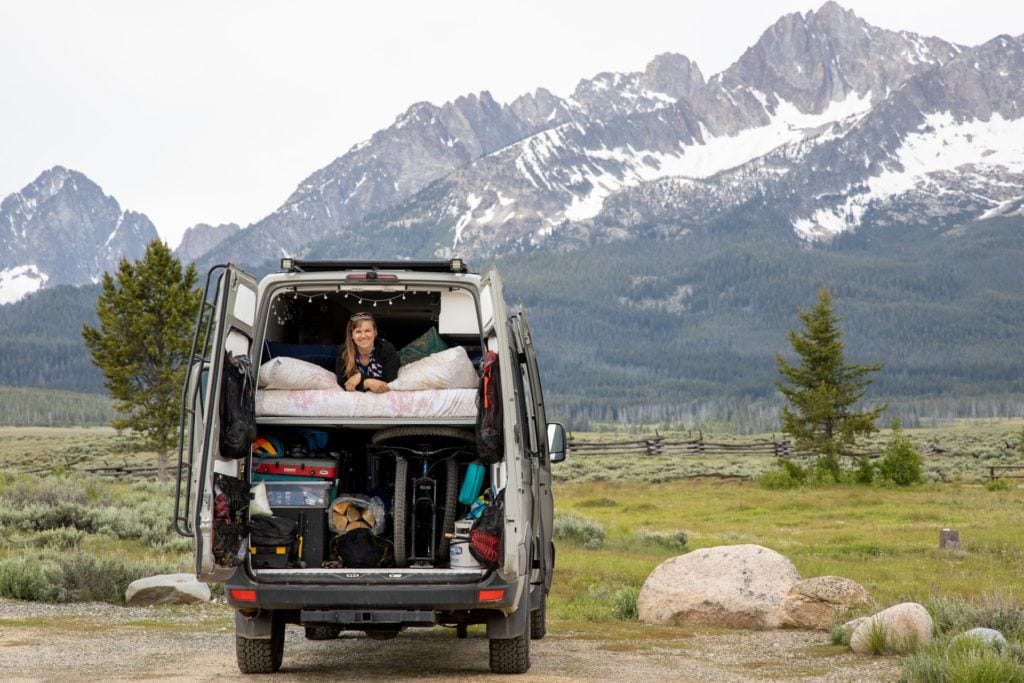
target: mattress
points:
(338, 403)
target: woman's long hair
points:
(348, 354)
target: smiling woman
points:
(366, 362)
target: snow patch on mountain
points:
(18, 282)
(941, 144)
(945, 144)
(714, 155)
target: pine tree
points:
(146, 317)
(822, 389)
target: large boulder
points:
(167, 588)
(820, 602)
(733, 586)
(900, 628)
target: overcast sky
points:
(213, 111)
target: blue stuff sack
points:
(472, 483)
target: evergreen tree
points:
(822, 388)
(146, 316)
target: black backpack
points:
(231, 507)
(487, 534)
(237, 408)
(489, 441)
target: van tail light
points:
(491, 595)
(243, 594)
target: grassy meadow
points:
(71, 536)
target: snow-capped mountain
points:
(62, 229)
(832, 121)
(422, 145)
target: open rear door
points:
(543, 503)
(517, 517)
(231, 329)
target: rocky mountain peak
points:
(540, 109)
(62, 229)
(203, 237)
(672, 74)
(812, 60)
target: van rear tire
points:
(261, 655)
(510, 655)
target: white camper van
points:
(363, 511)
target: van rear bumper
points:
(432, 597)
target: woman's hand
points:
(352, 382)
(377, 386)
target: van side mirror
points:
(556, 442)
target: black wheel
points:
(261, 656)
(539, 619)
(400, 510)
(392, 433)
(451, 496)
(510, 655)
(322, 632)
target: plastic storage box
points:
(308, 494)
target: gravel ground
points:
(93, 641)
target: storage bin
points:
(298, 494)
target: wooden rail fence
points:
(659, 445)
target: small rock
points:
(736, 586)
(904, 626)
(165, 589)
(989, 636)
(819, 602)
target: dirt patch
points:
(70, 642)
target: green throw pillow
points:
(421, 347)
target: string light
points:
(360, 298)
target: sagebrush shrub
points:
(30, 578)
(52, 576)
(955, 614)
(573, 527)
(672, 540)
(62, 538)
(963, 659)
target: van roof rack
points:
(455, 265)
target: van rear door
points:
(517, 507)
(543, 504)
(231, 329)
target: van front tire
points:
(261, 655)
(539, 619)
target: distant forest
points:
(686, 330)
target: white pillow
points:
(448, 369)
(291, 373)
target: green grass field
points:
(71, 536)
(884, 538)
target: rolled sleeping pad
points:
(472, 484)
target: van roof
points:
(456, 265)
